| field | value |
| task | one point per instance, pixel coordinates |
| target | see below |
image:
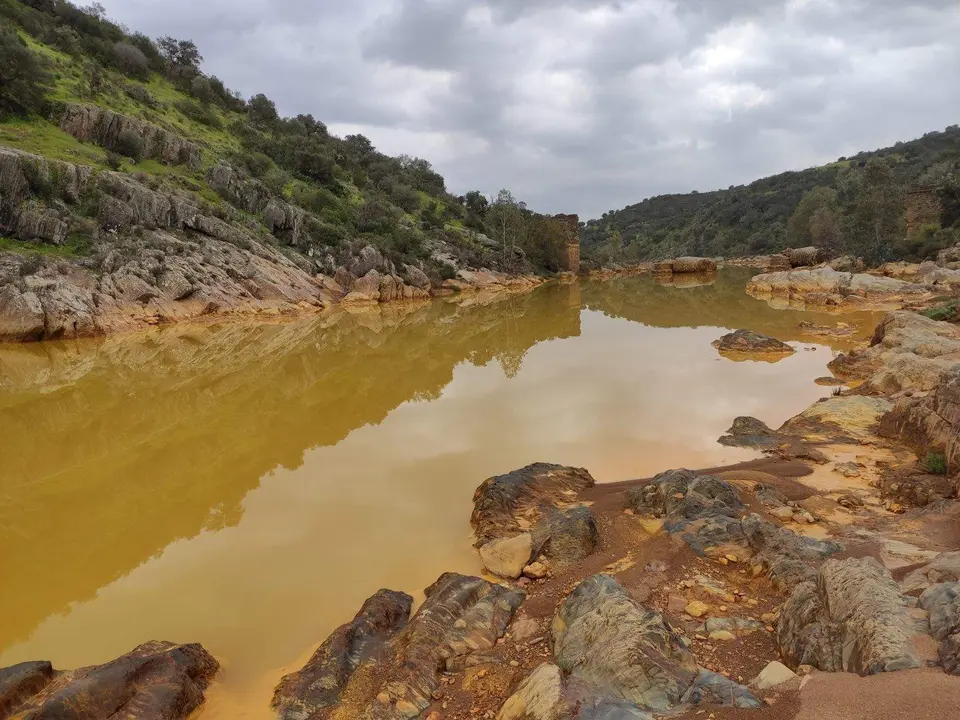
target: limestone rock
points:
(853, 618)
(747, 341)
(507, 557)
(155, 680)
(320, 682)
(21, 315)
(501, 502)
(775, 673)
(539, 697)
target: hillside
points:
(839, 206)
(132, 185)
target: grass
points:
(38, 136)
(935, 463)
(944, 311)
(8, 244)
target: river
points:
(247, 486)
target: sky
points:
(585, 106)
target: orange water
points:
(247, 486)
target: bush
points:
(140, 94)
(945, 311)
(131, 61)
(24, 79)
(204, 115)
(130, 143)
(255, 163)
(201, 89)
(113, 161)
(935, 463)
(262, 110)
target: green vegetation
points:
(856, 205)
(55, 56)
(948, 311)
(935, 463)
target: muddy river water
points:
(247, 486)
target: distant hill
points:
(840, 206)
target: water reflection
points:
(247, 486)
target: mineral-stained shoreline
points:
(809, 581)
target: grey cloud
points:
(588, 105)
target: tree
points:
(201, 89)
(877, 221)
(505, 220)
(24, 79)
(261, 110)
(180, 55)
(476, 202)
(131, 61)
(822, 203)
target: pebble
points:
(697, 609)
(732, 558)
(383, 698)
(535, 570)
(723, 635)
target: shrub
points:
(944, 311)
(130, 143)
(255, 163)
(314, 199)
(131, 61)
(262, 110)
(201, 89)
(24, 79)
(113, 161)
(66, 39)
(204, 115)
(935, 463)
(140, 94)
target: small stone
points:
(433, 716)
(775, 673)
(407, 709)
(723, 561)
(731, 557)
(688, 583)
(770, 700)
(770, 629)
(383, 698)
(697, 609)
(723, 608)
(805, 669)
(628, 511)
(782, 513)
(769, 618)
(514, 663)
(722, 635)
(535, 571)
(523, 582)
(676, 604)
(460, 624)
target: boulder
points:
(540, 696)
(508, 504)
(775, 673)
(685, 495)
(567, 535)
(786, 557)
(694, 265)
(800, 257)
(851, 417)
(853, 618)
(319, 683)
(461, 616)
(157, 680)
(942, 603)
(21, 315)
(612, 647)
(749, 342)
(508, 556)
(416, 277)
(943, 568)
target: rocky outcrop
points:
(907, 352)
(460, 616)
(942, 603)
(825, 287)
(685, 495)
(93, 124)
(319, 684)
(747, 342)
(945, 568)
(241, 191)
(853, 618)
(802, 257)
(157, 680)
(686, 265)
(612, 648)
(513, 503)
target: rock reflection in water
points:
(247, 486)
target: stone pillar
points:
(570, 255)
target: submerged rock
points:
(853, 618)
(155, 681)
(508, 504)
(749, 342)
(319, 683)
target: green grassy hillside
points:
(58, 61)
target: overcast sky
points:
(589, 105)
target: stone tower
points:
(570, 255)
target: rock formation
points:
(747, 342)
